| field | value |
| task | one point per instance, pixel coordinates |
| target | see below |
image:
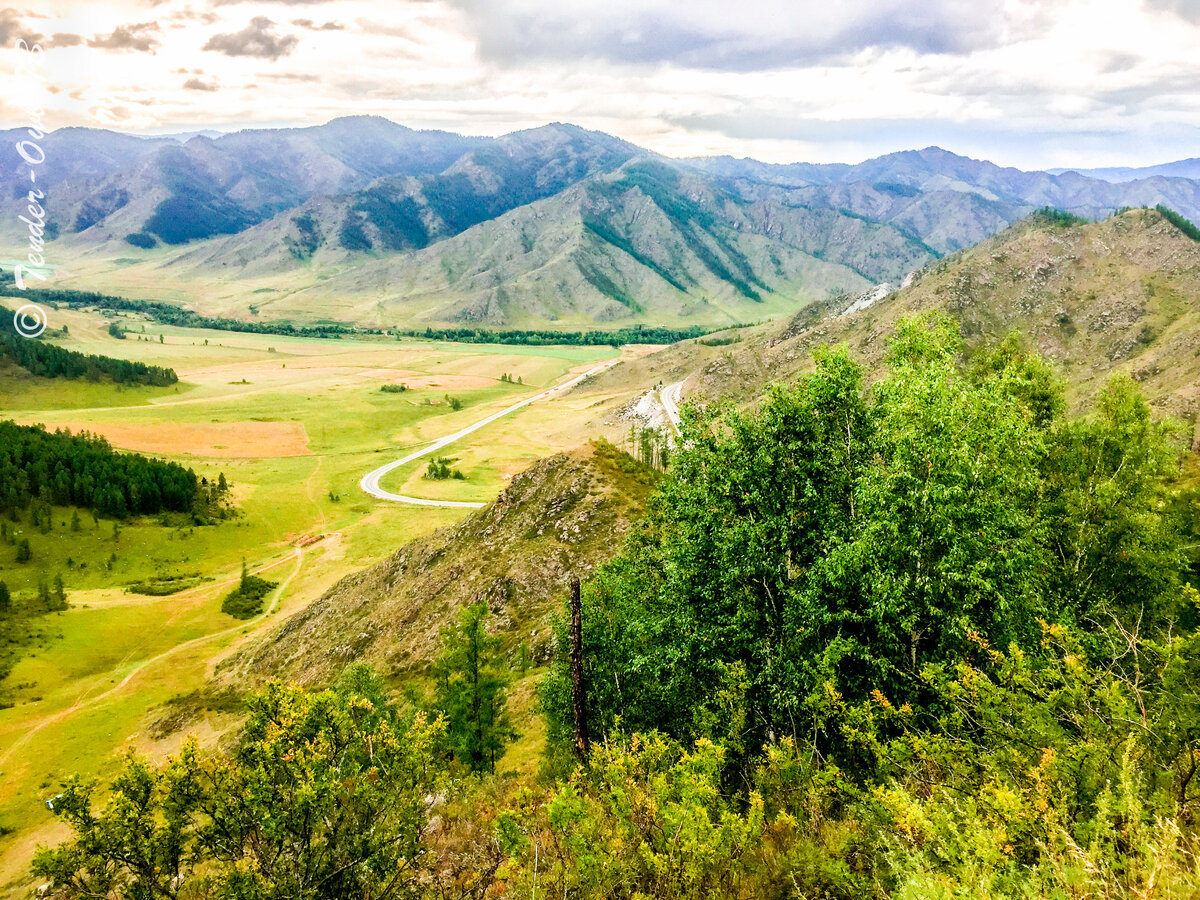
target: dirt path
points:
(84, 702)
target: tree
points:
(5, 598)
(58, 593)
(24, 553)
(470, 692)
(827, 546)
(327, 795)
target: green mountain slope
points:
(646, 242)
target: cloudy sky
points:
(1031, 83)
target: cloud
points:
(66, 40)
(13, 29)
(256, 39)
(138, 37)
(761, 36)
(195, 84)
(280, 2)
(313, 26)
(1187, 9)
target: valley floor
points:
(293, 425)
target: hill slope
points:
(646, 242)
(1118, 295)
(561, 517)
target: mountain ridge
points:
(364, 220)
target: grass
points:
(329, 388)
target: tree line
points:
(48, 361)
(168, 314)
(83, 470)
(635, 334)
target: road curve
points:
(370, 481)
(669, 397)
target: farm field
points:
(292, 424)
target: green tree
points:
(471, 692)
(327, 795)
(24, 553)
(5, 598)
(826, 546)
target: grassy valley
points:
(291, 424)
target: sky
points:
(1029, 83)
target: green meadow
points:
(293, 424)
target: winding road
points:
(370, 481)
(669, 397)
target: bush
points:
(439, 469)
(246, 600)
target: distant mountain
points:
(649, 241)
(1184, 168)
(178, 193)
(365, 220)
(916, 190)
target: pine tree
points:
(75, 520)
(5, 598)
(59, 592)
(471, 692)
(24, 553)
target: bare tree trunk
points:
(578, 699)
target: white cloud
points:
(1026, 82)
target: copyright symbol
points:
(29, 320)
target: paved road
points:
(370, 481)
(669, 396)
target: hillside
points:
(1118, 295)
(647, 242)
(109, 186)
(559, 518)
(363, 220)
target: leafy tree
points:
(326, 796)
(471, 692)
(1106, 480)
(827, 545)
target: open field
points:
(293, 424)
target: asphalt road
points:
(370, 481)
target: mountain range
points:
(367, 221)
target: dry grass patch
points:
(212, 440)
